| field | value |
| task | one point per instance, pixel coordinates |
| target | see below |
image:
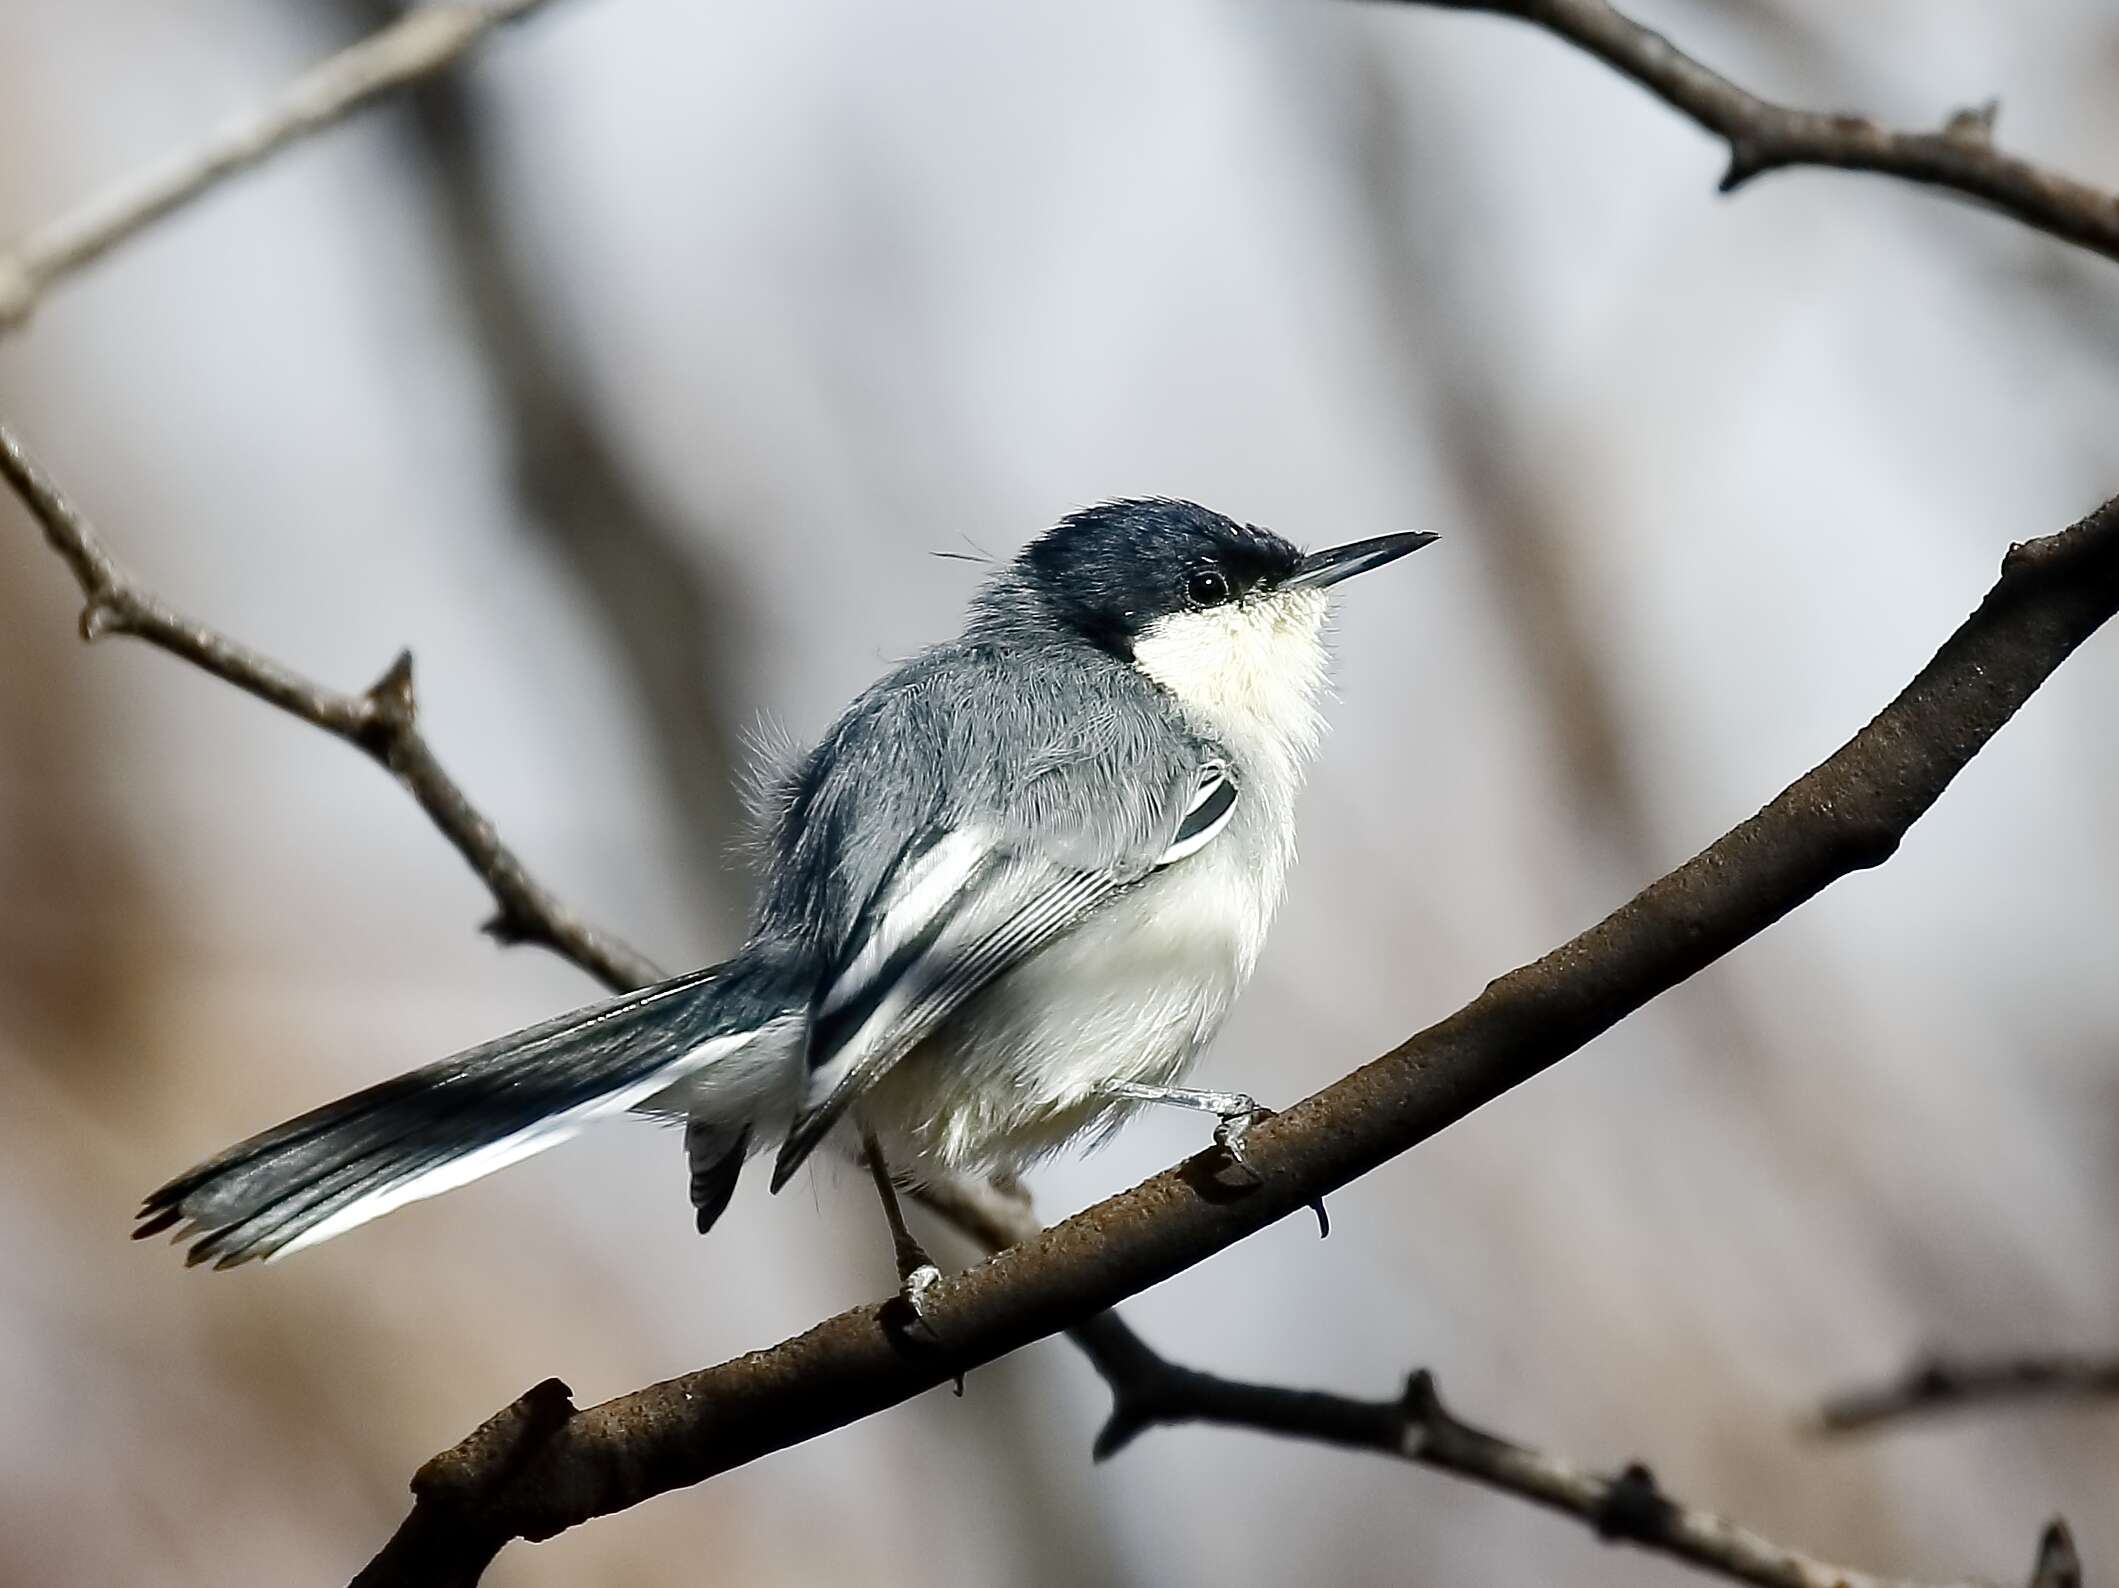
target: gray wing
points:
(1020, 848)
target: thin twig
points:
(1849, 813)
(1761, 135)
(382, 720)
(1938, 1383)
(422, 41)
(1148, 1391)
(1764, 136)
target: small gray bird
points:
(1010, 896)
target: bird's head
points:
(1226, 616)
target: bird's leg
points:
(917, 1273)
(1237, 1111)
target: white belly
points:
(1132, 994)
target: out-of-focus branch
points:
(422, 41)
(1939, 1384)
(1149, 1391)
(1763, 136)
(381, 720)
(1847, 814)
(648, 571)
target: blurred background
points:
(632, 376)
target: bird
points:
(1007, 900)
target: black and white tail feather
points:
(679, 1043)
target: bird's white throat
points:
(1251, 672)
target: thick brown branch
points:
(1625, 1508)
(1849, 813)
(382, 720)
(1763, 136)
(1938, 1384)
(423, 41)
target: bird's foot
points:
(1231, 1134)
(1237, 1113)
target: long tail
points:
(709, 1038)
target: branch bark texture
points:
(1941, 1384)
(1763, 136)
(423, 41)
(382, 721)
(1849, 813)
(1626, 1507)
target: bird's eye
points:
(1206, 587)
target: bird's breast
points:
(1132, 994)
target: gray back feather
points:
(1062, 748)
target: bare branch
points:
(1763, 136)
(1849, 813)
(422, 41)
(1937, 1384)
(382, 720)
(1149, 1391)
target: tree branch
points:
(1763, 136)
(382, 721)
(423, 41)
(1149, 1391)
(1849, 813)
(1938, 1383)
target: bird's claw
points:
(907, 1314)
(913, 1288)
(912, 1298)
(1229, 1137)
(1231, 1133)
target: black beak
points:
(1322, 568)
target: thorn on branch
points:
(390, 696)
(1634, 1510)
(102, 615)
(389, 713)
(510, 931)
(2057, 1566)
(1747, 159)
(1421, 1404)
(1973, 125)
